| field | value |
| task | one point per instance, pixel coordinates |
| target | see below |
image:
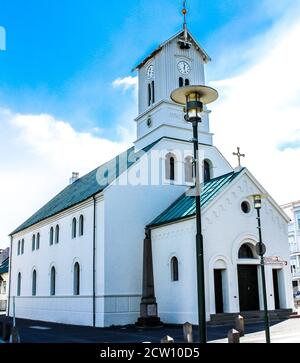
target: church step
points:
(252, 317)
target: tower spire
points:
(184, 40)
(184, 12)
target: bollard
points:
(167, 340)
(188, 333)
(233, 336)
(240, 325)
(15, 336)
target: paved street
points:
(38, 332)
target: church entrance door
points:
(248, 287)
(218, 275)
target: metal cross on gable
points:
(239, 155)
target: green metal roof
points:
(4, 267)
(185, 206)
(85, 187)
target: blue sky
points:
(68, 97)
(62, 56)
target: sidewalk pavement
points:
(287, 331)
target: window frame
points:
(51, 237)
(57, 234)
(174, 269)
(33, 243)
(81, 226)
(19, 284)
(76, 279)
(34, 283)
(53, 281)
(74, 228)
(207, 168)
(38, 239)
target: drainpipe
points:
(148, 307)
(94, 264)
(9, 279)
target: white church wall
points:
(226, 229)
(64, 307)
(176, 300)
(128, 210)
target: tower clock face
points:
(184, 67)
(150, 71)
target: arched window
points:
(149, 95)
(174, 269)
(19, 248)
(188, 169)
(187, 82)
(22, 247)
(38, 237)
(19, 284)
(180, 82)
(57, 234)
(74, 228)
(53, 281)
(81, 225)
(34, 283)
(33, 242)
(153, 91)
(245, 252)
(170, 167)
(207, 173)
(76, 279)
(51, 240)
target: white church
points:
(83, 258)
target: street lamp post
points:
(261, 250)
(193, 98)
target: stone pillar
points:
(148, 310)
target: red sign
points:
(275, 261)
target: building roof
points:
(86, 187)
(206, 57)
(185, 206)
(4, 267)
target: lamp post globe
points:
(193, 98)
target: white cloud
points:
(259, 110)
(126, 83)
(38, 155)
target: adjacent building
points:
(4, 264)
(293, 211)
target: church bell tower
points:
(178, 62)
